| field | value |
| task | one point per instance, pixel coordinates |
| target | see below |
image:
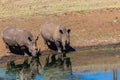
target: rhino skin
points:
(58, 34)
(15, 37)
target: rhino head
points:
(32, 45)
(65, 38)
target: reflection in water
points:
(27, 70)
(58, 60)
(55, 67)
(115, 77)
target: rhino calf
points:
(58, 34)
(14, 37)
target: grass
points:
(26, 8)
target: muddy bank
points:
(109, 50)
(98, 58)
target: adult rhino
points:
(58, 34)
(15, 37)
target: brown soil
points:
(100, 27)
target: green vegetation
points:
(22, 8)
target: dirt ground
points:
(89, 28)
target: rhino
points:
(15, 37)
(56, 33)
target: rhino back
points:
(15, 36)
(23, 36)
(47, 31)
(8, 35)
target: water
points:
(55, 68)
(101, 75)
(57, 75)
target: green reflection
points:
(55, 67)
(27, 70)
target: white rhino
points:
(15, 37)
(58, 34)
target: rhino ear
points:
(68, 30)
(61, 31)
(29, 39)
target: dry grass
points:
(88, 28)
(27, 8)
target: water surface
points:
(55, 67)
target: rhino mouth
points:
(38, 53)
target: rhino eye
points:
(29, 39)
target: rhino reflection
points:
(56, 65)
(27, 70)
(60, 61)
(115, 77)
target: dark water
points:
(56, 67)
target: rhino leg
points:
(58, 46)
(8, 48)
(47, 43)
